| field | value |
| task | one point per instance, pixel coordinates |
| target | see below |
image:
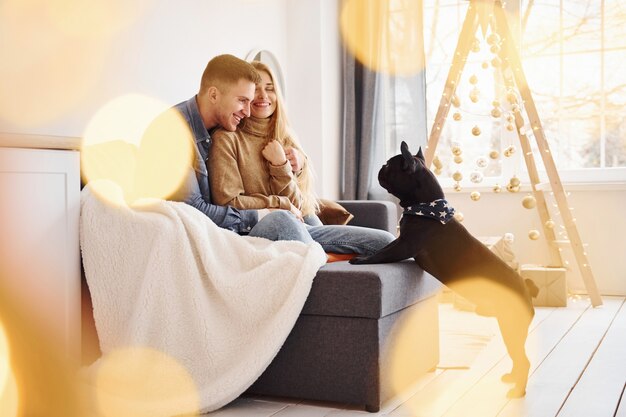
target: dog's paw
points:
(519, 390)
(516, 392)
(519, 377)
(358, 260)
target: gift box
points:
(551, 282)
(499, 245)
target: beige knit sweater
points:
(242, 178)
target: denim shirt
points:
(195, 190)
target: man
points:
(226, 90)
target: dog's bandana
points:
(438, 210)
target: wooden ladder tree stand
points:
(486, 13)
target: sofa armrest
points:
(377, 214)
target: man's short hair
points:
(226, 70)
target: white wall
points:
(61, 75)
(599, 217)
(160, 52)
(314, 86)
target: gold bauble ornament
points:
(476, 131)
(473, 79)
(456, 116)
(494, 154)
(514, 181)
(495, 112)
(515, 108)
(457, 187)
(458, 216)
(458, 159)
(511, 97)
(508, 152)
(474, 95)
(510, 118)
(475, 195)
(497, 188)
(481, 162)
(456, 150)
(455, 100)
(529, 202)
(476, 177)
(485, 65)
(496, 62)
(457, 176)
(533, 234)
(493, 38)
(512, 188)
(549, 224)
(437, 162)
(510, 127)
(437, 171)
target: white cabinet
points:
(39, 246)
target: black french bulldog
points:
(444, 248)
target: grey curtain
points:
(360, 102)
(379, 111)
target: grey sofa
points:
(359, 325)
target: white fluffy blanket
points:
(180, 302)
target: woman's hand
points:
(274, 153)
(295, 158)
(296, 212)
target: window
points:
(400, 106)
(574, 55)
(401, 93)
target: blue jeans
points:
(282, 225)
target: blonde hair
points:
(279, 129)
(226, 70)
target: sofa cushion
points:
(331, 212)
(369, 291)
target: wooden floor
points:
(578, 357)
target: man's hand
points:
(274, 153)
(295, 158)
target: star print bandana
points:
(438, 210)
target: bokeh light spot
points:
(8, 384)
(492, 297)
(46, 72)
(139, 144)
(384, 35)
(138, 382)
(95, 18)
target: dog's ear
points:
(408, 161)
(420, 155)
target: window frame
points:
(516, 164)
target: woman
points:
(262, 166)
(285, 180)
